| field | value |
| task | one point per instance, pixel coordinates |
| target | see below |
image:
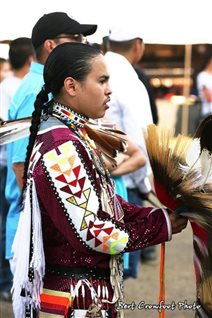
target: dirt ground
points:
(179, 277)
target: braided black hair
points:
(41, 98)
(67, 59)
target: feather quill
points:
(193, 154)
(14, 130)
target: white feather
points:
(21, 247)
(193, 153)
(206, 164)
(21, 257)
(13, 130)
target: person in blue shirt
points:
(50, 31)
(21, 53)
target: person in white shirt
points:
(129, 108)
(204, 86)
(5, 68)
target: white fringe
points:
(21, 248)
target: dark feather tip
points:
(205, 138)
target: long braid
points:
(41, 99)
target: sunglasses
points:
(74, 37)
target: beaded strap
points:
(68, 115)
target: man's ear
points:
(138, 49)
(49, 45)
(137, 45)
(29, 60)
(70, 85)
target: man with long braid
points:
(75, 228)
(50, 31)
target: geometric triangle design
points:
(83, 225)
(68, 172)
(83, 205)
(71, 161)
(60, 162)
(61, 178)
(78, 194)
(51, 156)
(87, 193)
(87, 213)
(66, 189)
(56, 167)
(105, 247)
(115, 236)
(113, 245)
(97, 242)
(72, 200)
(96, 232)
(80, 183)
(108, 230)
(106, 238)
(98, 226)
(36, 154)
(89, 235)
(73, 183)
(76, 171)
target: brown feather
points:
(108, 142)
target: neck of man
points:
(20, 73)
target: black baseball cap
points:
(52, 24)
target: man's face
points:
(51, 44)
(94, 93)
(5, 70)
(63, 38)
(140, 51)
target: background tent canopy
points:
(161, 21)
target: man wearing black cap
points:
(50, 31)
(56, 28)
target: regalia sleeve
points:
(69, 195)
(146, 225)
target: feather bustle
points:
(189, 188)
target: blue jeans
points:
(134, 257)
(5, 273)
